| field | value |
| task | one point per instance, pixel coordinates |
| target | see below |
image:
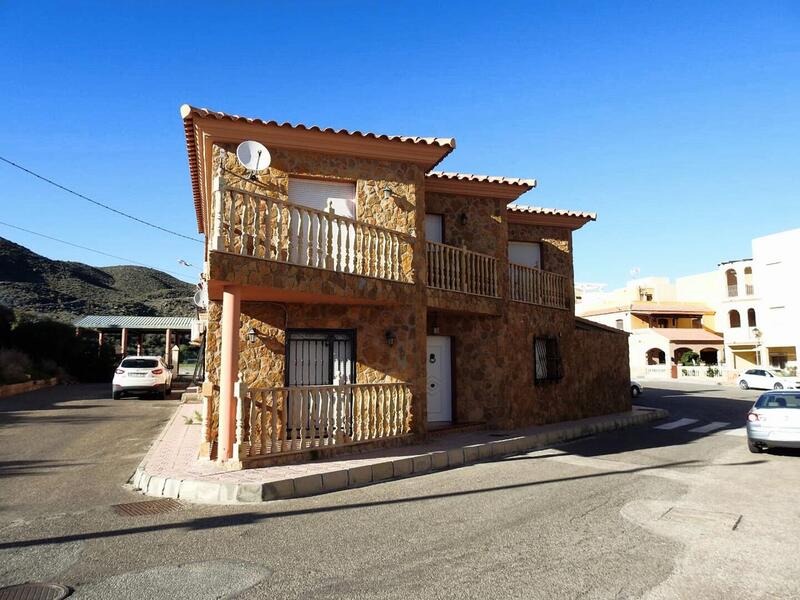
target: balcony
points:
(733, 290)
(258, 226)
(460, 270)
(276, 422)
(534, 286)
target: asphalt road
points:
(649, 512)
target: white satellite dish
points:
(253, 156)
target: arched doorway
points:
(748, 281)
(656, 356)
(678, 354)
(708, 356)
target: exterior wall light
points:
(390, 338)
(252, 334)
(387, 192)
(463, 219)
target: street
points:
(673, 509)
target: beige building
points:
(750, 306)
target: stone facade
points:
(492, 338)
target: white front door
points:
(440, 402)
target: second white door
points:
(440, 401)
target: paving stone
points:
(360, 475)
(422, 463)
(248, 492)
(439, 460)
(471, 453)
(382, 471)
(277, 490)
(155, 486)
(402, 467)
(335, 480)
(307, 485)
(455, 457)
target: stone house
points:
(360, 298)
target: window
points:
(321, 195)
(139, 363)
(546, 359)
(528, 254)
(434, 230)
(620, 324)
(751, 317)
(320, 357)
(734, 319)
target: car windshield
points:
(139, 363)
(780, 373)
(779, 401)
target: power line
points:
(128, 260)
(100, 204)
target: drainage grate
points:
(35, 591)
(148, 507)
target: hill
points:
(65, 290)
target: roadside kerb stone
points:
(248, 492)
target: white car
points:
(774, 421)
(768, 379)
(142, 375)
(636, 389)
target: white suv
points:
(142, 375)
(768, 379)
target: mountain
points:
(66, 291)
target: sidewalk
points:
(170, 469)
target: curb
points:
(214, 492)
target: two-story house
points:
(359, 298)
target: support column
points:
(229, 366)
(124, 342)
(168, 348)
(139, 344)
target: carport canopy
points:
(109, 324)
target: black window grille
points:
(546, 359)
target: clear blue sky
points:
(678, 123)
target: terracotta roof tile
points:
(526, 183)
(558, 212)
(187, 110)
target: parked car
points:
(636, 389)
(142, 375)
(768, 379)
(774, 421)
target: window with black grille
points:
(546, 359)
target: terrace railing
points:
(260, 226)
(275, 421)
(461, 270)
(535, 286)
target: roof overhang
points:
(486, 186)
(203, 128)
(553, 217)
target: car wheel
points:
(754, 447)
(635, 391)
(116, 395)
(743, 385)
(778, 386)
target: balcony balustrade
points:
(535, 286)
(251, 224)
(276, 421)
(460, 270)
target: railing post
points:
(241, 447)
(218, 187)
(463, 268)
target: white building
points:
(752, 304)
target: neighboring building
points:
(662, 328)
(752, 305)
(362, 298)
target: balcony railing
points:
(275, 421)
(733, 290)
(748, 289)
(255, 225)
(535, 286)
(461, 270)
